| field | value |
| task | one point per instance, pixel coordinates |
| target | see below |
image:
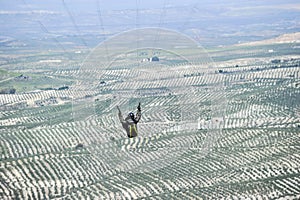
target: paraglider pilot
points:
(130, 122)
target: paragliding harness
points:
(132, 125)
(130, 122)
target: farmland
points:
(217, 123)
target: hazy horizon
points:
(211, 23)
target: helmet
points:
(131, 115)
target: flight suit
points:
(130, 122)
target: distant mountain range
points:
(211, 23)
(285, 38)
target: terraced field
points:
(221, 132)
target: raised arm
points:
(138, 113)
(120, 115)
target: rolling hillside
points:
(227, 132)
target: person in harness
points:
(130, 122)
